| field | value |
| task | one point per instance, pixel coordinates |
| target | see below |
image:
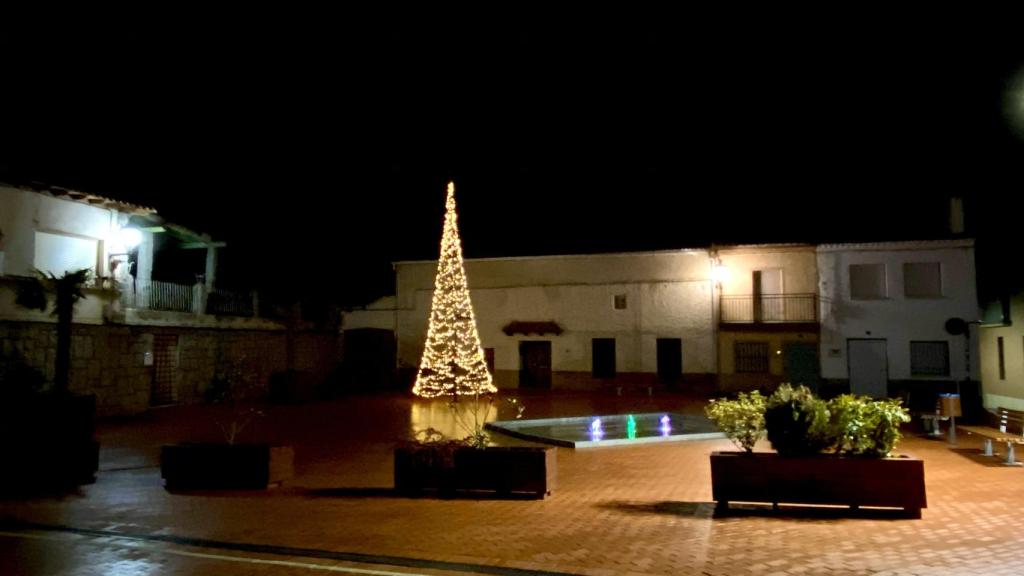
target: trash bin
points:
(949, 405)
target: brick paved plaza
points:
(616, 510)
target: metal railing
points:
(157, 295)
(766, 308)
(223, 303)
(195, 299)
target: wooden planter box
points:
(503, 471)
(848, 481)
(52, 442)
(225, 466)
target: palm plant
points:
(67, 290)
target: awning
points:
(527, 328)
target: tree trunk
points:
(62, 368)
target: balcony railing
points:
(157, 295)
(769, 308)
(196, 299)
(223, 303)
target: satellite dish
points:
(956, 326)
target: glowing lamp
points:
(130, 237)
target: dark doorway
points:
(603, 357)
(535, 364)
(800, 364)
(670, 360)
(165, 365)
(369, 359)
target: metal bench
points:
(1009, 428)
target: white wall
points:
(668, 296)
(23, 213)
(896, 318)
(89, 310)
(1008, 391)
(378, 314)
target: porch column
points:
(211, 266)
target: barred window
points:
(751, 357)
(929, 359)
(620, 302)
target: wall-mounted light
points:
(130, 237)
(719, 273)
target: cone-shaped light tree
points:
(453, 362)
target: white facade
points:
(1002, 360)
(667, 295)
(893, 315)
(56, 235)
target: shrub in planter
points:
(865, 427)
(741, 420)
(230, 464)
(800, 426)
(432, 462)
(796, 422)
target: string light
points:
(453, 361)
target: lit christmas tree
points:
(453, 362)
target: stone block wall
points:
(111, 361)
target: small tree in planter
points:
(231, 464)
(232, 392)
(741, 420)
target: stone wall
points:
(116, 363)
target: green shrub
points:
(797, 422)
(848, 422)
(885, 419)
(741, 420)
(862, 426)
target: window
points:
(929, 359)
(867, 281)
(489, 359)
(603, 357)
(620, 301)
(57, 253)
(751, 357)
(1002, 362)
(922, 280)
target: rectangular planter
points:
(53, 442)
(225, 466)
(847, 481)
(502, 471)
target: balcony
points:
(194, 299)
(769, 311)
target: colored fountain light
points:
(610, 429)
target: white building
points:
(568, 321)
(57, 231)
(867, 317)
(136, 342)
(885, 308)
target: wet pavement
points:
(617, 510)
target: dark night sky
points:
(320, 146)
